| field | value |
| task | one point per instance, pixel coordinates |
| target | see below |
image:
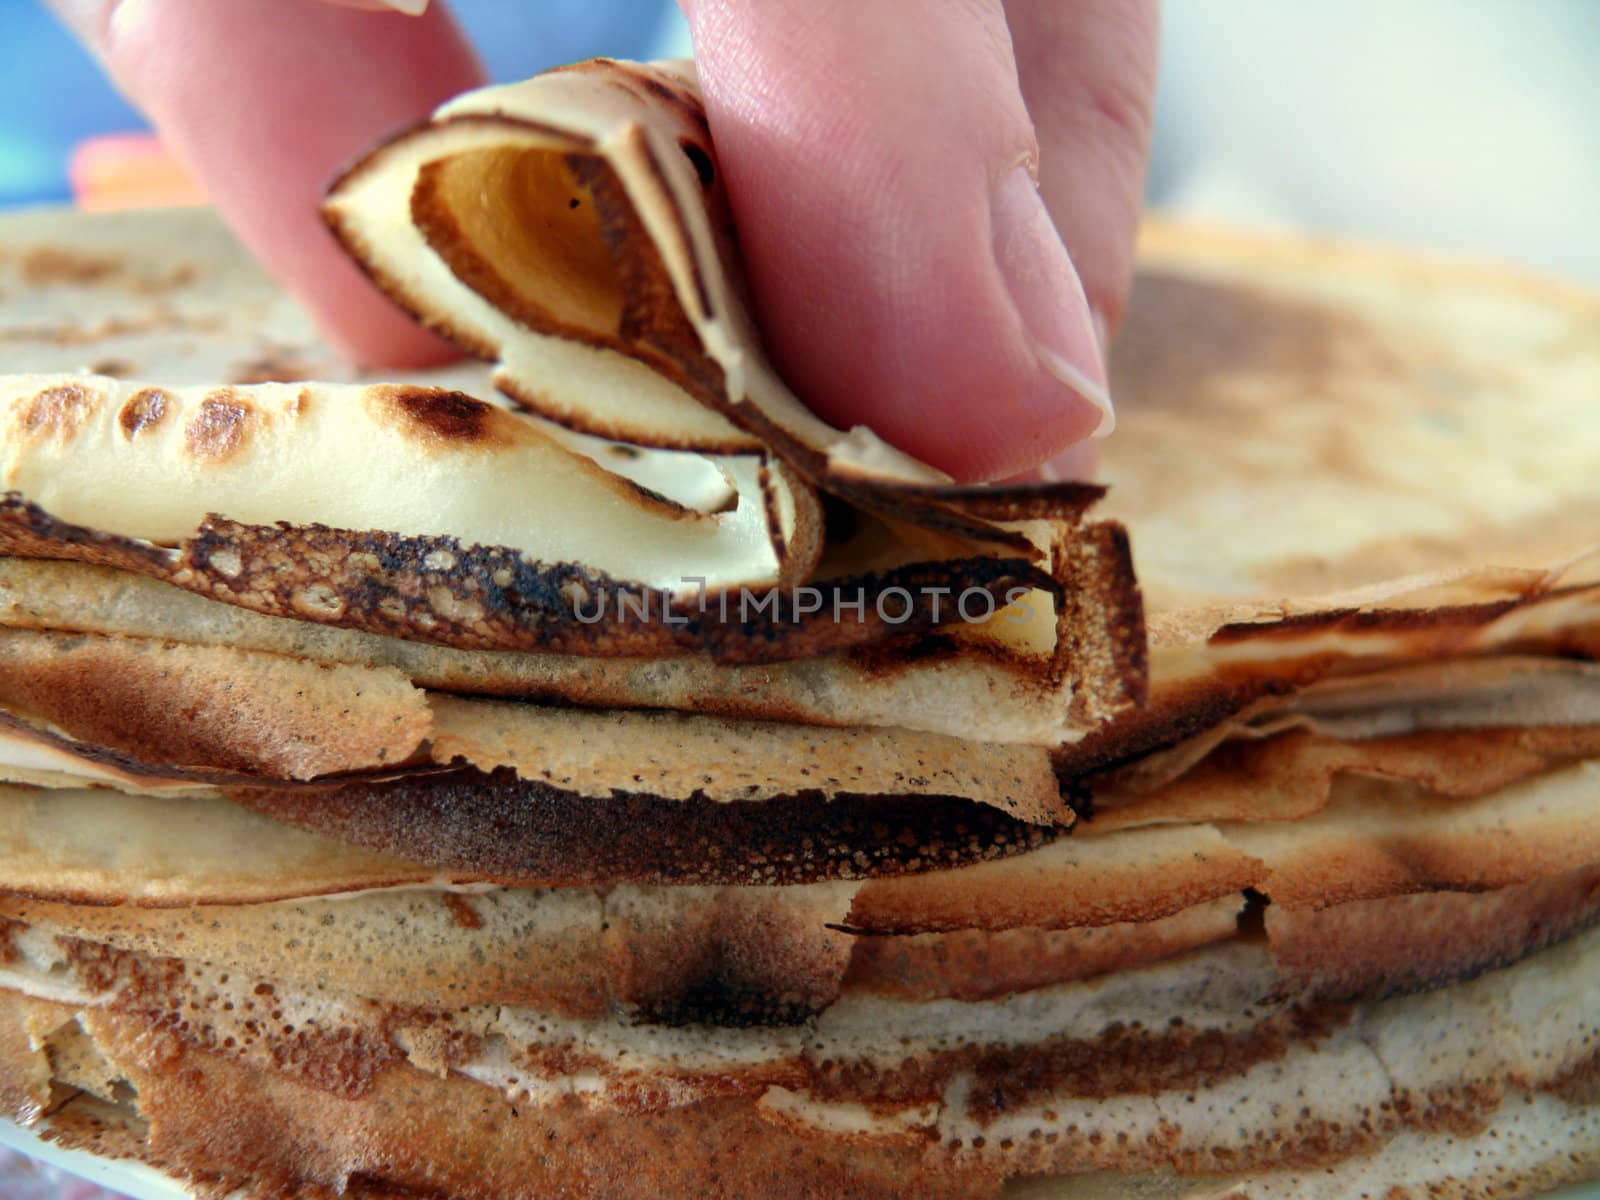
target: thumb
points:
(905, 269)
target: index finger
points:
(264, 100)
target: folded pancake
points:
(322, 503)
(405, 543)
(575, 226)
(939, 687)
(435, 538)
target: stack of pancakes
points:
(342, 852)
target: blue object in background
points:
(53, 94)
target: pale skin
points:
(937, 199)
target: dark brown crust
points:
(1066, 501)
(1122, 1060)
(492, 598)
(1100, 631)
(525, 833)
(1375, 620)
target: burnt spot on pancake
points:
(143, 410)
(49, 266)
(527, 833)
(58, 412)
(724, 1003)
(461, 910)
(434, 416)
(220, 426)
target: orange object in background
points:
(130, 170)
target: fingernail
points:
(1078, 463)
(1102, 331)
(1045, 289)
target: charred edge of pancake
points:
(1101, 632)
(1023, 501)
(718, 1003)
(1450, 617)
(1076, 794)
(432, 589)
(531, 834)
(1376, 620)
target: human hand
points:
(907, 272)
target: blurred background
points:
(1461, 125)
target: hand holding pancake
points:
(881, 172)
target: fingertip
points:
(903, 279)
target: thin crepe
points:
(153, 717)
(575, 229)
(435, 543)
(944, 687)
(1329, 456)
(125, 294)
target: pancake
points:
(489, 618)
(1243, 846)
(958, 1092)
